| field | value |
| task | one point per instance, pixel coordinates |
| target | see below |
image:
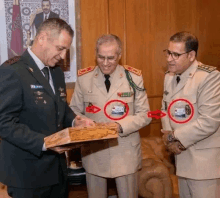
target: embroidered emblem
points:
(85, 70)
(133, 70)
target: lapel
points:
(117, 81)
(188, 74)
(36, 73)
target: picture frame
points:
(69, 10)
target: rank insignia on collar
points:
(166, 92)
(85, 70)
(125, 94)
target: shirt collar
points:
(36, 59)
(46, 15)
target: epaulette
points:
(206, 68)
(85, 70)
(133, 70)
(11, 61)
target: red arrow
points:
(156, 114)
(92, 109)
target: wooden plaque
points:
(81, 134)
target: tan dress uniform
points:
(116, 157)
(200, 85)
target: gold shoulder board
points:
(85, 70)
(206, 68)
(133, 70)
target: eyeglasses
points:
(174, 55)
(108, 58)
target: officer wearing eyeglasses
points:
(191, 127)
(118, 158)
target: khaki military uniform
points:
(200, 85)
(116, 157)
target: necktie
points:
(107, 82)
(177, 79)
(45, 70)
(45, 18)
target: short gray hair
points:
(109, 38)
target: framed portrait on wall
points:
(20, 20)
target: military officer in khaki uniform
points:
(191, 127)
(116, 158)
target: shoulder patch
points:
(85, 70)
(206, 68)
(133, 70)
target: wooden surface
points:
(145, 27)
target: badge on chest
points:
(118, 110)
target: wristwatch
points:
(120, 128)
